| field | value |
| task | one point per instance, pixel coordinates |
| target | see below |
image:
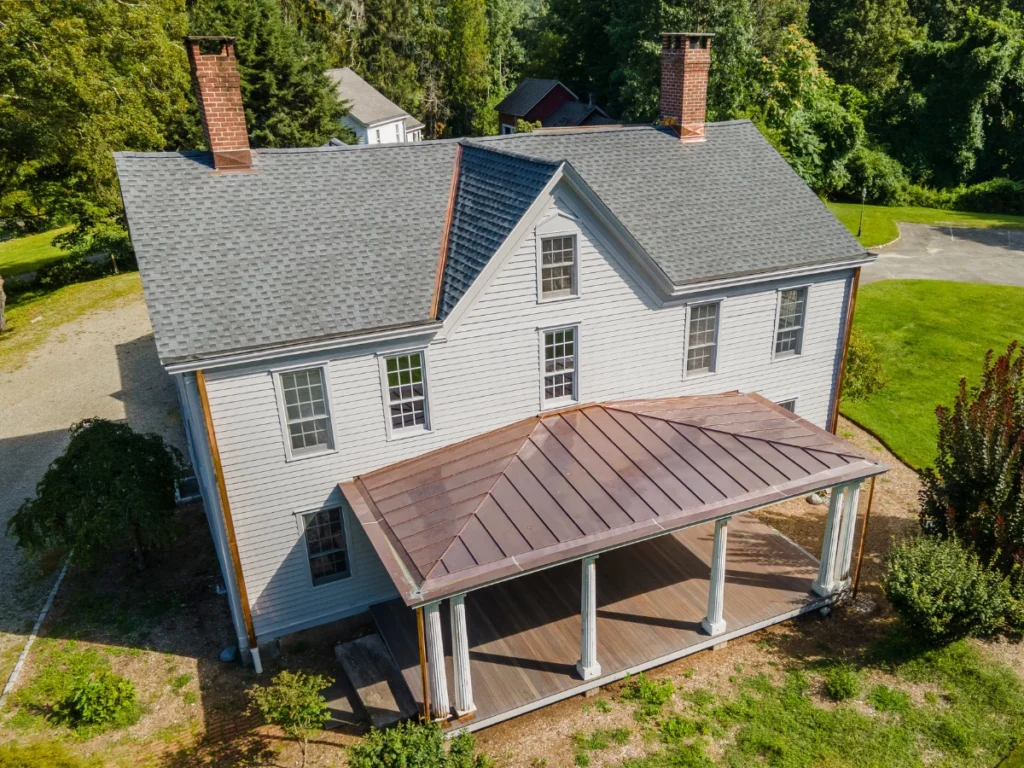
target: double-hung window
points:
(789, 332)
(326, 545)
(406, 382)
(306, 411)
(558, 267)
(702, 339)
(559, 368)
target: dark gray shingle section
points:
(494, 190)
(572, 113)
(728, 206)
(317, 243)
(525, 96)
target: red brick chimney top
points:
(219, 93)
(685, 61)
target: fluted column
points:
(846, 534)
(460, 657)
(714, 622)
(439, 707)
(825, 584)
(587, 666)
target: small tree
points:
(864, 375)
(975, 490)
(415, 745)
(113, 486)
(294, 703)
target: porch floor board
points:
(524, 634)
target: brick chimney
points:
(219, 93)
(685, 61)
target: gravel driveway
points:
(102, 364)
(962, 254)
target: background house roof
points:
(576, 113)
(324, 242)
(564, 485)
(366, 103)
(525, 96)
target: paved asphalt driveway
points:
(951, 253)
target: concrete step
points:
(376, 679)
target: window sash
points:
(789, 405)
(326, 545)
(789, 330)
(558, 266)
(560, 365)
(702, 339)
(407, 391)
(306, 412)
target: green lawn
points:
(880, 221)
(928, 334)
(27, 254)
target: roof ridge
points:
(470, 144)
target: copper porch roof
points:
(563, 485)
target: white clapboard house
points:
(518, 414)
(372, 116)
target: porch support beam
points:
(460, 657)
(714, 622)
(588, 666)
(439, 707)
(850, 501)
(825, 585)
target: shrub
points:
(112, 487)
(294, 703)
(882, 176)
(103, 700)
(942, 591)
(864, 375)
(66, 271)
(992, 196)
(651, 696)
(415, 745)
(42, 754)
(975, 490)
(841, 682)
(886, 699)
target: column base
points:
(461, 713)
(713, 628)
(588, 673)
(823, 590)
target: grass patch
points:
(841, 682)
(928, 333)
(29, 253)
(602, 738)
(891, 700)
(648, 695)
(880, 220)
(1015, 759)
(56, 308)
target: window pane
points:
(326, 546)
(306, 410)
(560, 364)
(558, 271)
(406, 391)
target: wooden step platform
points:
(377, 681)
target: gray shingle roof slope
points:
(725, 207)
(525, 96)
(495, 189)
(310, 246)
(366, 104)
(571, 113)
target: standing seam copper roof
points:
(566, 484)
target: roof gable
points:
(526, 96)
(366, 104)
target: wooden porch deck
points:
(524, 634)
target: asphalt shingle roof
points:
(525, 96)
(572, 113)
(366, 104)
(319, 243)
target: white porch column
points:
(825, 584)
(846, 533)
(460, 657)
(439, 707)
(714, 622)
(588, 666)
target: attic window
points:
(558, 267)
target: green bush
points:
(294, 703)
(101, 701)
(42, 754)
(841, 682)
(415, 745)
(864, 375)
(650, 695)
(992, 196)
(942, 591)
(882, 176)
(886, 699)
(66, 271)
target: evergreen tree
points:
(464, 58)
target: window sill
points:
(554, 405)
(789, 356)
(290, 457)
(328, 580)
(698, 375)
(407, 432)
(557, 299)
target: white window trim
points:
(300, 520)
(539, 239)
(382, 367)
(778, 316)
(686, 338)
(507, 130)
(282, 414)
(562, 402)
(795, 400)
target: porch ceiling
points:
(567, 484)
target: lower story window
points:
(559, 365)
(326, 546)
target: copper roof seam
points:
(552, 496)
(414, 502)
(675, 426)
(487, 530)
(641, 418)
(655, 456)
(571, 484)
(765, 459)
(512, 522)
(802, 450)
(711, 436)
(833, 451)
(530, 506)
(392, 538)
(447, 522)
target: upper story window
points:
(406, 382)
(398, 131)
(559, 372)
(558, 267)
(307, 414)
(326, 545)
(702, 339)
(789, 333)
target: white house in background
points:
(536, 399)
(373, 117)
